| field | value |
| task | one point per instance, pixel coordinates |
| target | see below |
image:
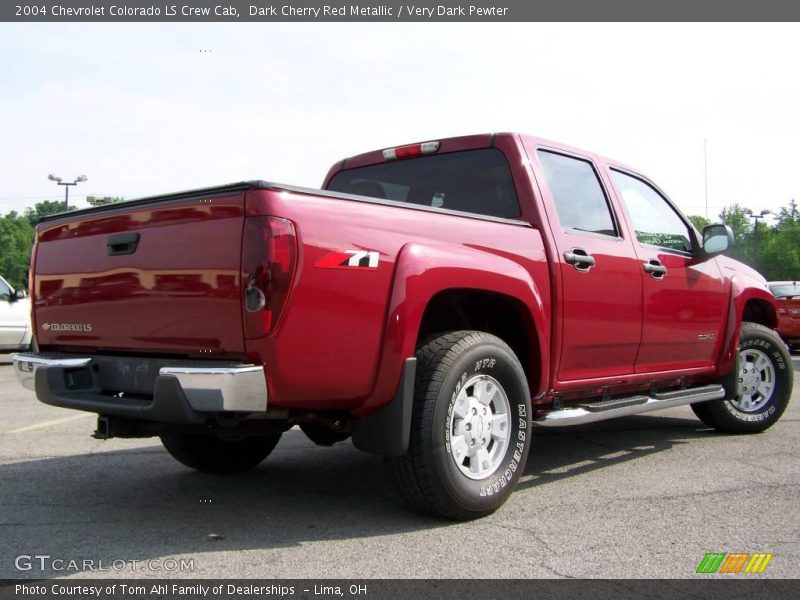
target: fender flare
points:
(743, 290)
(422, 271)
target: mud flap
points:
(387, 431)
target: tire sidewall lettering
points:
(779, 364)
(509, 471)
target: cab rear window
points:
(785, 290)
(474, 181)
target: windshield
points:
(476, 181)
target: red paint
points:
(788, 310)
(337, 337)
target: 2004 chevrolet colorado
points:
(433, 302)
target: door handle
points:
(122, 243)
(655, 268)
(580, 259)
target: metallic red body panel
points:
(341, 324)
(344, 333)
(178, 293)
(789, 319)
(745, 285)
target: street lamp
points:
(756, 218)
(66, 185)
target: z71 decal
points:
(350, 259)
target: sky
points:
(143, 109)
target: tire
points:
(442, 474)
(763, 385)
(211, 454)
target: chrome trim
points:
(237, 388)
(579, 416)
(211, 389)
(26, 365)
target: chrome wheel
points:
(478, 427)
(756, 380)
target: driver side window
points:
(656, 223)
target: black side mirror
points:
(17, 295)
(716, 239)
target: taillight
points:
(269, 257)
(410, 151)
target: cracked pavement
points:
(640, 497)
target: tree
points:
(700, 222)
(44, 209)
(16, 240)
(738, 220)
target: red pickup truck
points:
(434, 302)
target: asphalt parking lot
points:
(642, 497)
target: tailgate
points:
(159, 276)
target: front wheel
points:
(470, 430)
(211, 454)
(763, 385)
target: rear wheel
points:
(470, 431)
(763, 385)
(211, 454)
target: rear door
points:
(685, 304)
(601, 284)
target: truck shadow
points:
(560, 453)
(139, 504)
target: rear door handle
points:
(655, 268)
(580, 259)
(122, 243)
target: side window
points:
(580, 201)
(5, 291)
(654, 220)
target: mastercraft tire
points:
(211, 454)
(470, 430)
(763, 385)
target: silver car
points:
(15, 318)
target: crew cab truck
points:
(435, 302)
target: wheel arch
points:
(482, 310)
(430, 277)
(749, 302)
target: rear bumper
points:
(169, 393)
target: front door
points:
(685, 304)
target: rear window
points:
(785, 290)
(475, 181)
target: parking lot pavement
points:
(639, 497)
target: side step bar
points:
(623, 407)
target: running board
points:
(623, 407)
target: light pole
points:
(66, 185)
(756, 218)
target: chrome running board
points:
(632, 405)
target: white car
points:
(15, 318)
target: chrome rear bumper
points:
(154, 390)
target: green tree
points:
(739, 221)
(699, 221)
(16, 240)
(44, 209)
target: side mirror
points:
(717, 239)
(18, 295)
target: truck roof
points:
(465, 142)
